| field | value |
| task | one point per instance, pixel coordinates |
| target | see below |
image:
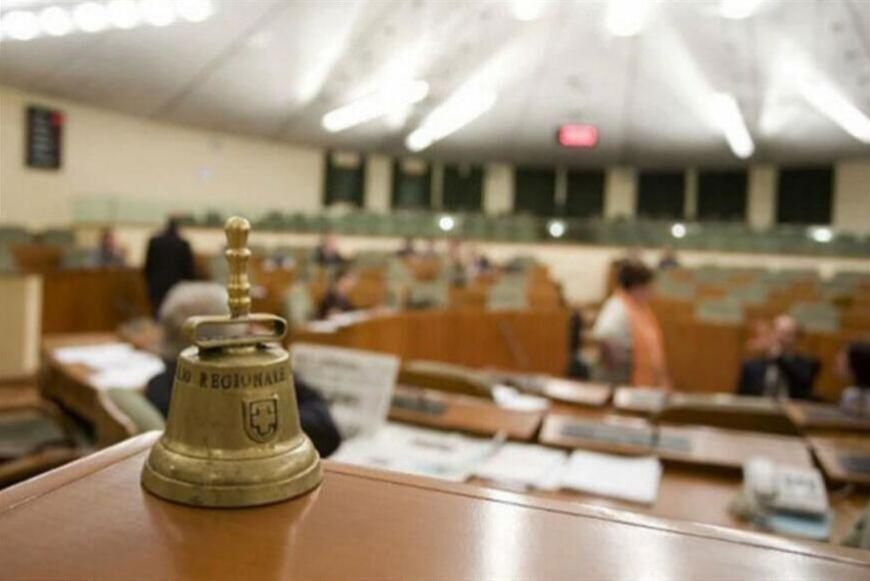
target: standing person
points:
(628, 334)
(780, 371)
(168, 261)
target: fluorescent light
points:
(383, 101)
(194, 10)
(738, 9)
(123, 14)
(446, 223)
(55, 21)
(727, 116)
(678, 230)
(821, 234)
(20, 25)
(90, 17)
(626, 17)
(831, 103)
(556, 228)
(157, 12)
(526, 10)
(460, 109)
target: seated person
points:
(856, 361)
(110, 253)
(327, 253)
(668, 258)
(204, 298)
(337, 297)
(408, 250)
(780, 371)
(628, 334)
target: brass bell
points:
(233, 436)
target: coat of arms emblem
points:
(261, 419)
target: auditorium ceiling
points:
(274, 68)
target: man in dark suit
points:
(205, 298)
(169, 260)
(781, 371)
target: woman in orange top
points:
(632, 349)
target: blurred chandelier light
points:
(460, 109)
(727, 115)
(446, 223)
(678, 230)
(526, 10)
(832, 104)
(738, 9)
(626, 17)
(556, 228)
(388, 98)
(821, 234)
(92, 17)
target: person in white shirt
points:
(628, 334)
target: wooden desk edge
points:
(32, 490)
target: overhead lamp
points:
(55, 21)
(821, 234)
(383, 101)
(123, 14)
(90, 17)
(157, 12)
(527, 10)
(556, 228)
(20, 25)
(626, 17)
(836, 107)
(678, 230)
(738, 9)
(460, 109)
(446, 223)
(727, 116)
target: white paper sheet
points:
(114, 365)
(437, 454)
(357, 385)
(524, 466)
(622, 477)
(511, 398)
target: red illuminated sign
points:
(578, 135)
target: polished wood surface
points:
(92, 519)
(89, 300)
(529, 340)
(844, 458)
(826, 418)
(471, 415)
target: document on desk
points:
(357, 385)
(511, 398)
(437, 454)
(524, 466)
(114, 365)
(625, 478)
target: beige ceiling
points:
(272, 68)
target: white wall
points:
(108, 154)
(761, 202)
(620, 192)
(498, 188)
(851, 212)
(378, 183)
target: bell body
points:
(233, 436)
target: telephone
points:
(784, 488)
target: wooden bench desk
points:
(844, 458)
(92, 519)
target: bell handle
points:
(194, 325)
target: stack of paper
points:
(626, 478)
(115, 365)
(444, 455)
(524, 466)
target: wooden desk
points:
(466, 414)
(92, 519)
(835, 453)
(726, 410)
(826, 418)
